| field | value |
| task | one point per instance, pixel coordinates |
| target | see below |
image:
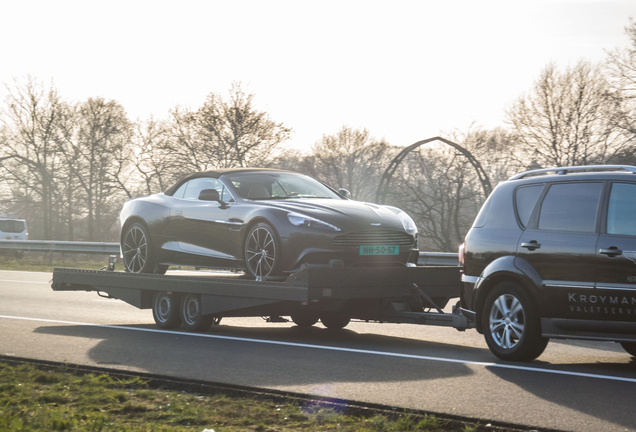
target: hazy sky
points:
(405, 70)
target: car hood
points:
(346, 214)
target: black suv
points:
(552, 254)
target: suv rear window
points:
(571, 207)
(621, 213)
(525, 200)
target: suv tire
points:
(629, 347)
(511, 324)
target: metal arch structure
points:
(385, 181)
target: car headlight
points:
(308, 221)
(407, 222)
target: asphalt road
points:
(573, 386)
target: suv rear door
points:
(615, 268)
(560, 243)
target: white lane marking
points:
(23, 281)
(332, 348)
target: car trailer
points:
(333, 295)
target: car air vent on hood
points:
(374, 237)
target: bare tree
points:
(440, 188)
(621, 67)
(224, 133)
(34, 123)
(434, 187)
(350, 159)
(152, 157)
(566, 118)
(101, 135)
(190, 151)
(241, 135)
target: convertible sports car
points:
(266, 222)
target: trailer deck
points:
(332, 294)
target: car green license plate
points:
(380, 250)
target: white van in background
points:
(13, 229)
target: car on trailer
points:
(266, 222)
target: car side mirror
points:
(345, 193)
(209, 195)
(212, 195)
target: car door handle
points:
(611, 252)
(531, 245)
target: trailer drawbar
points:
(333, 295)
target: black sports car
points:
(266, 222)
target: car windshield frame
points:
(277, 185)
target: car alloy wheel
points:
(511, 325)
(507, 321)
(137, 251)
(261, 251)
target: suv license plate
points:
(380, 250)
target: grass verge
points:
(43, 398)
(43, 264)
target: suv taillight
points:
(460, 255)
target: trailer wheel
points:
(262, 252)
(334, 320)
(629, 347)
(305, 319)
(165, 310)
(191, 316)
(511, 324)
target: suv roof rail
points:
(566, 170)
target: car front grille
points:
(374, 237)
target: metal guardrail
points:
(61, 246)
(98, 248)
(438, 259)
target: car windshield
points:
(278, 185)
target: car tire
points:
(511, 324)
(262, 252)
(137, 250)
(335, 320)
(191, 316)
(305, 319)
(629, 347)
(165, 310)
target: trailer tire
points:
(305, 319)
(165, 310)
(191, 317)
(334, 320)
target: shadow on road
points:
(221, 356)
(574, 392)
